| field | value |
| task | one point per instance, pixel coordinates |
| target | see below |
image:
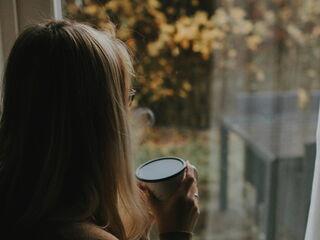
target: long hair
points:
(65, 152)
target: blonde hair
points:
(65, 150)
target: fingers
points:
(186, 185)
(193, 191)
(195, 172)
(192, 203)
(188, 191)
(189, 188)
(189, 181)
(192, 170)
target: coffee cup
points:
(163, 175)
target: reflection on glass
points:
(234, 89)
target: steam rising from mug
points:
(143, 116)
(142, 119)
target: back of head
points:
(64, 139)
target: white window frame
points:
(15, 15)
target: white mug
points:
(163, 175)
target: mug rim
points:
(164, 178)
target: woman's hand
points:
(180, 212)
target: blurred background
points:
(233, 86)
(230, 85)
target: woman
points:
(65, 143)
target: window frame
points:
(15, 15)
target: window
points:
(234, 88)
(15, 15)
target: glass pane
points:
(233, 87)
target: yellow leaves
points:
(154, 48)
(218, 34)
(167, 92)
(167, 28)
(156, 86)
(106, 26)
(200, 35)
(220, 17)
(197, 32)
(201, 18)
(234, 20)
(114, 6)
(162, 93)
(197, 47)
(123, 6)
(91, 9)
(246, 27)
(182, 94)
(253, 42)
(154, 3)
(126, 7)
(194, 2)
(186, 86)
(242, 27)
(175, 51)
(237, 13)
(185, 44)
(186, 31)
(182, 34)
(164, 39)
(205, 53)
(208, 35)
(131, 43)
(72, 8)
(163, 62)
(262, 29)
(124, 33)
(156, 81)
(171, 10)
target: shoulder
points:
(86, 231)
(96, 233)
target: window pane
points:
(233, 87)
